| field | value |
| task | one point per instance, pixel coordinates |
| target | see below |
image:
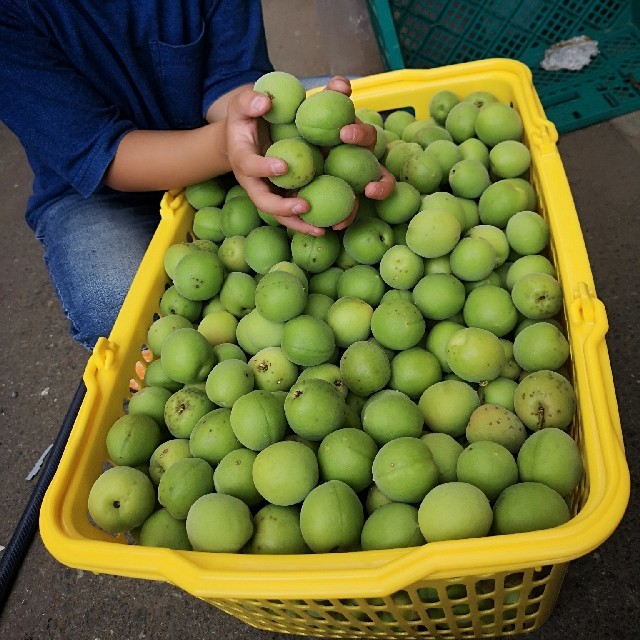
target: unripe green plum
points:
(299, 158)
(280, 296)
(472, 259)
(413, 370)
(551, 456)
(528, 264)
(357, 166)
(398, 120)
(321, 116)
(350, 320)
(361, 281)
(219, 523)
(404, 470)
(439, 296)
(272, 370)
(468, 178)
(489, 466)
(497, 122)
(537, 295)
(475, 354)
(400, 267)
(285, 472)
(286, 93)
(541, 345)
(184, 408)
(121, 499)
(441, 104)
(233, 476)
(301, 408)
(206, 193)
(461, 120)
(447, 405)
(445, 450)
(454, 511)
(390, 414)
(347, 454)
(365, 368)
(183, 483)
(307, 341)
(165, 455)
(397, 325)
(331, 517)
(504, 198)
(258, 419)
(529, 506)
(527, 232)
(422, 171)
(212, 438)
(392, 526)
(400, 206)
(509, 159)
(490, 307)
(498, 424)
(367, 240)
(255, 332)
(239, 216)
(276, 531)
(433, 233)
(331, 200)
(545, 399)
(315, 254)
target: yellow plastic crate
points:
(487, 587)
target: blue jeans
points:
(92, 248)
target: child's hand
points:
(363, 135)
(248, 140)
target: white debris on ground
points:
(45, 391)
(570, 55)
(39, 463)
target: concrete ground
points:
(40, 368)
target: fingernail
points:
(278, 167)
(376, 192)
(258, 103)
(298, 208)
(351, 134)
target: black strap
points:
(16, 550)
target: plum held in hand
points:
(320, 117)
(286, 93)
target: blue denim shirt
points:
(76, 76)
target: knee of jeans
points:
(87, 330)
(87, 342)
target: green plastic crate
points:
(434, 33)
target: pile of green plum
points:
(402, 381)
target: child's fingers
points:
(349, 219)
(249, 104)
(383, 188)
(298, 224)
(364, 135)
(339, 83)
(255, 166)
(271, 203)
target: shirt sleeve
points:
(236, 48)
(61, 121)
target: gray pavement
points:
(40, 368)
